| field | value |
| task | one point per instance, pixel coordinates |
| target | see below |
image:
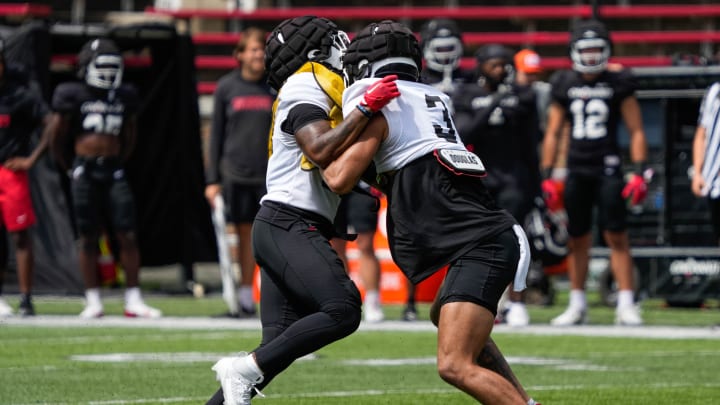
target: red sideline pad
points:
(550, 63)
(523, 38)
(24, 9)
(464, 13)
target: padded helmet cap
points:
(297, 41)
(380, 49)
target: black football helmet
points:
(383, 48)
(100, 64)
(441, 44)
(590, 46)
(299, 40)
(547, 234)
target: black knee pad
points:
(346, 314)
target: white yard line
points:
(207, 323)
(380, 392)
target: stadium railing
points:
(209, 62)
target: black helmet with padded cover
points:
(299, 40)
(586, 35)
(383, 48)
(441, 44)
(100, 64)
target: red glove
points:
(379, 94)
(552, 194)
(635, 189)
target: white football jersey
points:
(286, 182)
(419, 121)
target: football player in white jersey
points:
(439, 210)
(308, 300)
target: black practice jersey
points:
(21, 111)
(94, 110)
(242, 113)
(502, 128)
(593, 109)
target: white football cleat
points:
(5, 309)
(571, 316)
(373, 313)
(237, 389)
(92, 311)
(141, 310)
(628, 316)
(517, 315)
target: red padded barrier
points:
(460, 13)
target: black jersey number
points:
(589, 118)
(444, 129)
(103, 123)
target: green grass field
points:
(126, 364)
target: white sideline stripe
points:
(377, 392)
(221, 324)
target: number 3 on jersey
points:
(444, 129)
(589, 118)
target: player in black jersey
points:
(593, 99)
(439, 211)
(97, 114)
(22, 111)
(497, 119)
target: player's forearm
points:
(638, 146)
(698, 157)
(329, 145)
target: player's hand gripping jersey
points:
(593, 110)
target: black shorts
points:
(101, 195)
(242, 202)
(357, 213)
(481, 275)
(583, 193)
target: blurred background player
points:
(706, 155)
(497, 119)
(237, 159)
(442, 48)
(593, 99)
(357, 215)
(22, 111)
(98, 114)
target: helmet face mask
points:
(590, 47)
(105, 71)
(101, 65)
(441, 43)
(337, 50)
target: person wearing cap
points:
(528, 72)
(497, 119)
